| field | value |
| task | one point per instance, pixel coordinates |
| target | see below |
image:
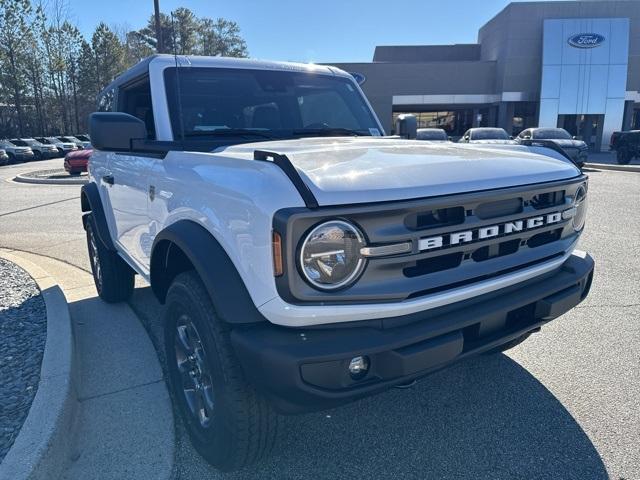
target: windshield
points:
(83, 138)
(7, 143)
(551, 134)
(431, 135)
(20, 143)
(489, 134)
(265, 103)
(66, 139)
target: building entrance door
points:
(585, 127)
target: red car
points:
(76, 162)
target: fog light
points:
(358, 367)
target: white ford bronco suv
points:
(303, 258)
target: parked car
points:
(626, 145)
(4, 158)
(40, 150)
(15, 152)
(304, 262)
(86, 141)
(63, 147)
(432, 134)
(76, 162)
(487, 135)
(576, 149)
(70, 139)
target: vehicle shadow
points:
(486, 417)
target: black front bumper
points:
(306, 369)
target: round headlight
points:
(330, 255)
(580, 204)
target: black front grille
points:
(444, 266)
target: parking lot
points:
(562, 405)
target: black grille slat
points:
(501, 208)
(441, 217)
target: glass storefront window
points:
(454, 122)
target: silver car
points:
(432, 134)
(68, 138)
(479, 135)
(16, 153)
(40, 150)
(86, 141)
(63, 147)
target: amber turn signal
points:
(276, 242)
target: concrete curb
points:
(43, 446)
(50, 181)
(620, 168)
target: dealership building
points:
(571, 64)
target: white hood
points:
(347, 170)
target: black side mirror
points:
(407, 125)
(115, 130)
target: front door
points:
(128, 189)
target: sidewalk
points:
(125, 427)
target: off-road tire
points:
(509, 345)
(623, 157)
(114, 279)
(243, 427)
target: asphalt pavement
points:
(565, 404)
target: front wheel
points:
(114, 279)
(230, 424)
(37, 155)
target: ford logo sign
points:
(586, 40)
(358, 77)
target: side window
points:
(105, 101)
(135, 99)
(326, 107)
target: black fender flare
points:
(91, 203)
(226, 288)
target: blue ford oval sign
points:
(586, 40)
(358, 77)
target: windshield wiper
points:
(329, 132)
(228, 132)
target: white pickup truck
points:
(304, 259)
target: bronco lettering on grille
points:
(488, 232)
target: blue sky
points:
(314, 31)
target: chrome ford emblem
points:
(358, 77)
(586, 40)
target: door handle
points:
(108, 179)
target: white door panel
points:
(128, 197)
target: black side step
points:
(290, 171)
